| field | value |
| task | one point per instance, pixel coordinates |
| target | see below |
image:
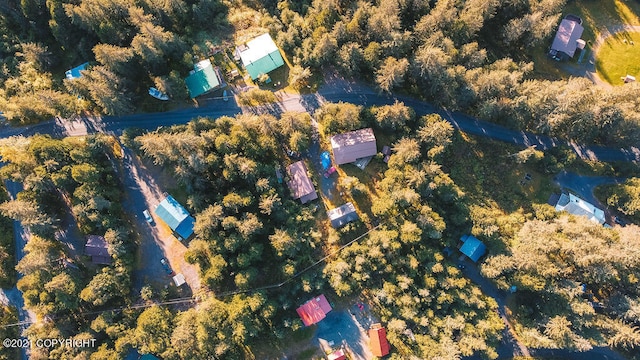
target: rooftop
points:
(299, 183)
(314, 310)
(176, 216)
(76, 71)
(351, 146)
(569, 32)
(342, 215)
(472, 247)
(202, 79)
(260, 55)
(98, 248)
(576, 206)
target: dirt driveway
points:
(155, 240)
(342, 327)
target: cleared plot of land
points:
(618, 56)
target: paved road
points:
(333, 92)
(13, 296)
(510, 347)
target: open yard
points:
(618, 56)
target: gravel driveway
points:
(155, 240)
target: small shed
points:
(202, 79)
(177, 217)
(299, 183)
(260, 56)
(354, 145)
(76, 73)
(342, 215)
(472, 247)
(179, 280)
(314, 310)
(98, 248)
(378, 340)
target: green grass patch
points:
(617, 57)
(598, 16)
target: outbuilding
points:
(354, 145)
(177, 217)
(342, 215)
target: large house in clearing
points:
(260, 56)
(177, 217)
(354, 145)
(299, 183)
(202, 79)
(567, 38)
(576, 206)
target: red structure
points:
(314, 310)
(379, 344)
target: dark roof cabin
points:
(97, 248)
(299, 183)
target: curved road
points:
(332, 92)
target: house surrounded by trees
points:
(177, 217)
(299, 183)
(202, 79)
(351, 146)
(260, 56)
(567, 38)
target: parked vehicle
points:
(147, 216)
(329, 172)
(166, 266)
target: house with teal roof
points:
(260, 56)
(176, 217)
(473, 248)
(202, 79)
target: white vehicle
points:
(147, 216)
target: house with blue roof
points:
(177, 217)
(473, 248)
(75, 73)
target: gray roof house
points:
(351, 146)
(97, 248)
(299, 183)
(342, 215)
(576, 206)
(566, 40)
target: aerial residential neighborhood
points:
(398, 179)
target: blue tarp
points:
(75, 72)
(325, 158)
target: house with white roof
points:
(576, 206)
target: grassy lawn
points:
(617, 57)
(598, 15)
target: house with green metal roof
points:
(260, 56)
(148, 357)
(472, 247)
(202, 79)
(176, 217)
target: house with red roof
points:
(314, 310)
(378, 337)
